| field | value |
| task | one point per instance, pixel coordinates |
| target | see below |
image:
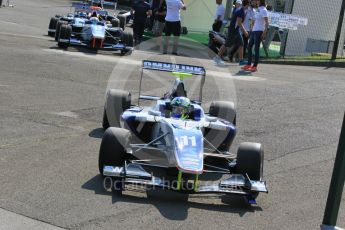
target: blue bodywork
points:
(185, 140)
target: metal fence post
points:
(337, 184)
(338, 32)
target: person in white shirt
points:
(258, 34)
(173, 23)
(219, 15)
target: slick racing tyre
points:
(113, 148)
(250, 161)
(52, 26)
(123, 12)
(127, 38)
(105, 122)
(223, 109)
(122, 20)
(116, 103)
(115, 22)
(64, 36)
(57, 29)
(113, 153)
(221, 139)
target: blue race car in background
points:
(90, 26)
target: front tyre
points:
(127, 39)
(57, 29)
(65, 36)
(250, 161)
(113, 148)
(122, 20)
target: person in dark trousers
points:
(258, 34)
(247, 23)
(154, 7)
(173, 24)
(159, 22)
(140, 10)
(235, 32)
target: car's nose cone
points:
(98, 31)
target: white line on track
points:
(68, 114)
(129, 61)
(99, 57)
(12, 221)
(19, 24)
(24, 35)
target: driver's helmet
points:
(181, 107)
(94, 14)
(82, 15)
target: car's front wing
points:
(118, 46)
(135, 174)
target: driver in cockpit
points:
(181, 108)
(94, 17)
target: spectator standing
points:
(234, 38)
(258, 35)
(154, 7)
(141, 10)
(247, 23)
(173, 24)
(159, 22)
(219, 15)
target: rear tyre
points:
(109, 18)
(123, 12)
(224, 110)
(117, 102)
(115, 22)
(65, 36)
(122, 20)
(105, 122)
(221, 139)
(52, 26)
(250, 161)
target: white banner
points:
(286, 21)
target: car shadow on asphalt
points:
(243, 73)
(173, 205)
(97, 133)
(87, 51)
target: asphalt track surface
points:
(51, 104)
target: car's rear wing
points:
(180, 70)
(87, 8)
(81, 6)
(173, 67)
(105, 3)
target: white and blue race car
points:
(91, 27)
(158, 147)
